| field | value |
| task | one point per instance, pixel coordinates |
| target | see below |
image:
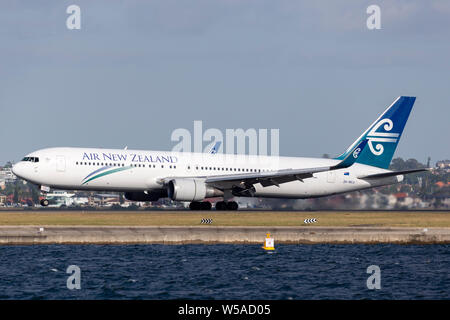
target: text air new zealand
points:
(195, 177)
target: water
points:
(225, 272)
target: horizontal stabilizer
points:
(391, 174)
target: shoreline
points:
(29, 235)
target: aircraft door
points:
(60, 163)
(331, 177)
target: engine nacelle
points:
(191, 190)
(153, 195)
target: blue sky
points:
(137, 70)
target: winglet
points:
(351, 156)
(216, 147)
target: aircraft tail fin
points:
(383, 135)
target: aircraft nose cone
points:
(17, 169)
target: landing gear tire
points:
(232, 205)
(196, 205)
(206, 205)
(222, 205)
(44, 202)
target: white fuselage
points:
(139, 170)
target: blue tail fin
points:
(383, 135)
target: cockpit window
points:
(31, 159)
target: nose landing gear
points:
(44, 190)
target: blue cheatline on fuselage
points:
(104, 173)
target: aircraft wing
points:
(269, 178)
(275, 178)
(266, 179)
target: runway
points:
(420, 219)
(243, 227)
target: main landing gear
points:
(196, 205)
(221, 205)
(229, 205)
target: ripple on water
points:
(225, 272)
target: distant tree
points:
(16, 193)
(9, 164)
(326, 156)
(397, 164)
(413, 164)
(34, 194)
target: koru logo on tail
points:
(356, 153)
(374, 136)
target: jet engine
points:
(191, 190)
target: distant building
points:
(6, 175)
(442, 184)
(60, 198)
(443, 164)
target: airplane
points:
(195, 177)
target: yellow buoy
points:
(268, 243)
